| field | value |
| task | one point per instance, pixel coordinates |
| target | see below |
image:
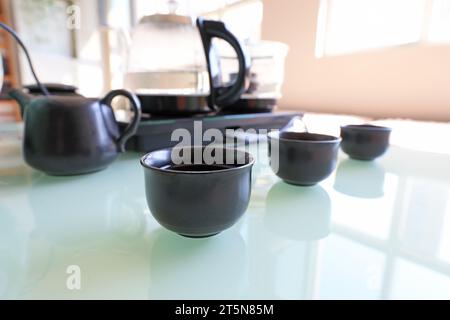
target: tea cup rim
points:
(331, 138)
(234, 167)
(366, 127)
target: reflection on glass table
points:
(298, 213)
(360, 179)
(378, 230)
(197, 268)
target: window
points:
(439, 31)
(348, 26)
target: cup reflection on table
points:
(360, 179)
(298, 213)
(83, 210)
(209, 268)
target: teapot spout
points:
(21, 97)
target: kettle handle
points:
(131, 129)
(224, 96)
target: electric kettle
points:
(266, 76)
(174, 68)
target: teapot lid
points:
(52, 87)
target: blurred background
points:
(377, 58)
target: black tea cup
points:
(303, 158)
(365, 142)
(196, 197)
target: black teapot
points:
(70, 134)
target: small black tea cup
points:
(189, 194)
(365, 142)
(303, 158)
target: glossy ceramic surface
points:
(390, 239)
(197, 200)
(70, 134)
(303, 158)
(365, 141)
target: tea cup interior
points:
(307, 136)
(303, 136)
(197, 159)
(366, 128)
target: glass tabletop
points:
(372, 230)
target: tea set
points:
(68, 134)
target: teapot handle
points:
(131, 129)
(224, 96)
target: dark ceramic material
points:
(53, 89)
(69, 135)
(197, 200)
(365, 142)
(303, 158)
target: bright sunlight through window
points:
(348, 26)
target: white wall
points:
(408, 81)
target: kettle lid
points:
(171, 17)
(167, 18)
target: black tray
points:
(155, 133)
